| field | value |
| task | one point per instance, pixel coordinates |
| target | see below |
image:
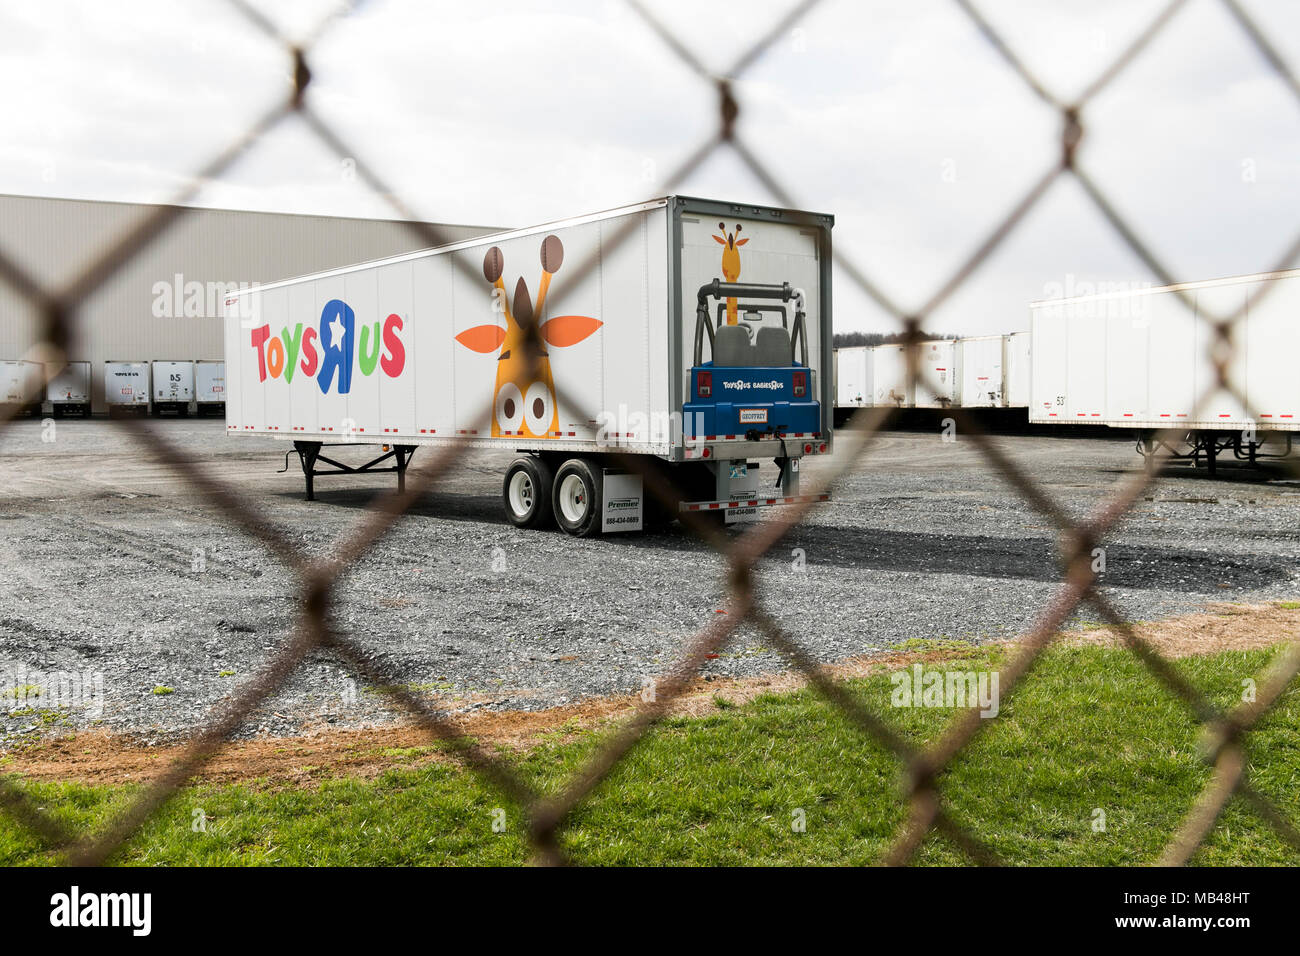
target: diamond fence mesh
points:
(547, 815)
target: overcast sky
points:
(897, 117)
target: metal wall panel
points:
(137, 314)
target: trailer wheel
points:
(576, 498)
(526, 492)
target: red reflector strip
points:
(752, 502)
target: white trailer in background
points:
(1140, 360)
(21, 388)
(1016, 369)
(853, 376)
(210, 387)
(126, 387)
(936, 383)
(173, 387)
(68, 391)
(889, 376)
(980, 365)
(696, 344)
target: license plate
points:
(753, 416)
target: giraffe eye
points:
(538, 408)
(509, 408)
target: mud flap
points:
(622, 505)
(741, 484)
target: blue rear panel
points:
(751, 399)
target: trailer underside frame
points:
(1204, 448)
(309, 454)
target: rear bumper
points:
(753, 502)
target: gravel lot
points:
(113, 568)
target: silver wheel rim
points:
(521, 494)
(573, 499)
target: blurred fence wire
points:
(548, 814)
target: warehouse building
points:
(164, 304)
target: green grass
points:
(1088, 729)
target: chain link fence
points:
(548, 814)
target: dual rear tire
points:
(527, 492)
(571, 495)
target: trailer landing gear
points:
(309, 454)
(1204, 448)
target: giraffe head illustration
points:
(524, 402)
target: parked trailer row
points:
(140, 387)
(987, 371)
(1140, 359)
(698, 338)
(165, 386)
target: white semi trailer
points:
(698, 339)
(1140, 360)
(936, 383)
(980, 362)
(126, 387)
(68, 390)
(889, 376)
(982, 371)
(173, 387)
(1016, 369)
(853, 376)
(21, 387)
(210, 387)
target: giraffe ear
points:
(564, 330)
(741, 242)
(482, 338)
(720, 239)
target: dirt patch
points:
(1222, 627)
(97, 757)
